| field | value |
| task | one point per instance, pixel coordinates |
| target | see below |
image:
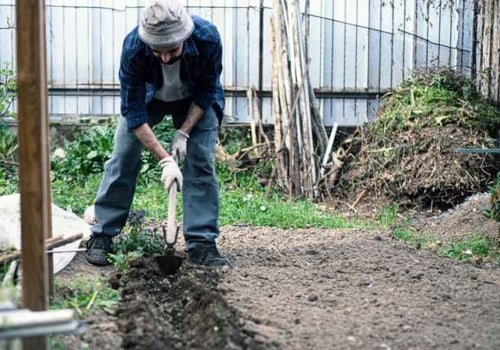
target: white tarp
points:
(64, 223)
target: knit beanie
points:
(165, 23)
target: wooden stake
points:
(33, 157)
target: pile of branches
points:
(299, 138)
(408, 154)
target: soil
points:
(308, 289)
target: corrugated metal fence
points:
(489, 48)
(357, 50)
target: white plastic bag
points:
(64, 223)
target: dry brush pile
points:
(408, 154)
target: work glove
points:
(179, 144)
(170, 173)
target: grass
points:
(85, 294)
(256, 209)
(388, 215)
(242, 201)
(470, 248)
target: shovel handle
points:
(171, 223)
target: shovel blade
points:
(169, 263)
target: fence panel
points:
(357, 50)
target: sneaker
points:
(98, 247)
(208, 255)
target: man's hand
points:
(179, 144)
(170, 173)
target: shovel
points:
(170, 262)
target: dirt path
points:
(302, 289)
(340, 290)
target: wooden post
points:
(33, 157)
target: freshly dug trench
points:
(184, 311)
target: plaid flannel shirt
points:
(201, 66)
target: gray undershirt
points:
(173, 88)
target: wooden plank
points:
(33, 157)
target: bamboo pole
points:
(297, 120)
(279, 104)
(309, 165)
(495, 48)
(277, 169)
(326, 156)
(251, 115)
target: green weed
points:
(471, 247)
(85, 294)
(388, 215)
(405, 234)
(8, 88)
(134, 243)
(9, 168)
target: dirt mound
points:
(408, 154)
(464, 220)
(185, 311)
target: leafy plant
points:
(8, 90)
(150, 171)
(84, 156)
(134, 242)
(8, 160)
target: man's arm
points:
(194, 115)
(147, 137)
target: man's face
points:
(169, 54)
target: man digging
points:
(170, 65)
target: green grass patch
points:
(405, 234)
(243, 201)
(255, 209)
(84, 294)
(75, 196)
(471, 247)
(388, 215)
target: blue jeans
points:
(200, 190)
